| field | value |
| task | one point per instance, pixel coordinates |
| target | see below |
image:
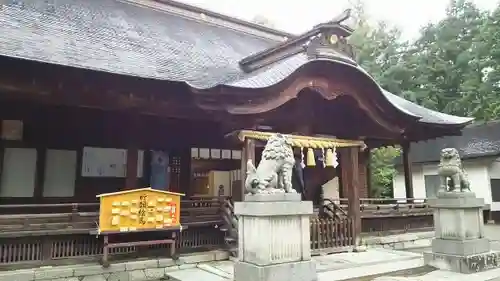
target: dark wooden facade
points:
(67, 113)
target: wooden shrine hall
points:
(102, 96)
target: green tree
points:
(381, 52)
(382, 171)
(449, 63)
(453, 67)
(488, 45)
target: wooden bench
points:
(110, 245)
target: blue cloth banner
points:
(159, 170)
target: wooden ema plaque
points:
(143, 209)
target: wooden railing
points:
(47, 233)
(76, 218)
(56, 249)
(42, 234)
(230, 226)
(380, 216)
(331, 235)
(331, 209)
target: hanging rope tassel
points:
(302, 164)
(335, 158)
(311, 162)
(323, 157)
(329, 161)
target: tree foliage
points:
(382, 171)
(452, 67)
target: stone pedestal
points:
(460, 244)
(274, 239)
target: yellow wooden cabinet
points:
(141, 209)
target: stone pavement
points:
(214, 266)
(442, 275)
(330, 268)
(138, 270)
(376, 261)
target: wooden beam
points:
(248, 153)
(407, 170)
(132, 152)
(350, 184)
(103, 100)
(41, 152)
(367, 155)
(363, 173)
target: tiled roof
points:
(118, 37)
(477, 140)
(122, 38)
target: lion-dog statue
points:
(450, 167)
(274, 172)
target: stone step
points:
(374, 270)
(194, 274)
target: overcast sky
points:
(297, 16)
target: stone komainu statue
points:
(274, 172)
(450, 167)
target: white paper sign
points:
(108, 162)
(215, 153)
(226, 154)
(204, 153)
(236, 154)
(194, 153)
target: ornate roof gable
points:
(326, 40)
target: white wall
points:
(19, 171)
(478, 171)
(418, 182)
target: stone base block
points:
(463, 264)
(456, 200)
(274, 232)
(293, 271)
(275, 197)
(461, 247)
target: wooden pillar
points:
(407, 170)
(247, 153)
(350, 184)
(132, 159)
(184, 185)
(367, 154)
(363, 175)
(40, 172)
(132, 152)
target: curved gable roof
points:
(121, 38)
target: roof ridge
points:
(210, 17)
(481, 123)
(324, 40)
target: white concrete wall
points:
(478, 171)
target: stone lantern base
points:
(274, 239)
(460, 244)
